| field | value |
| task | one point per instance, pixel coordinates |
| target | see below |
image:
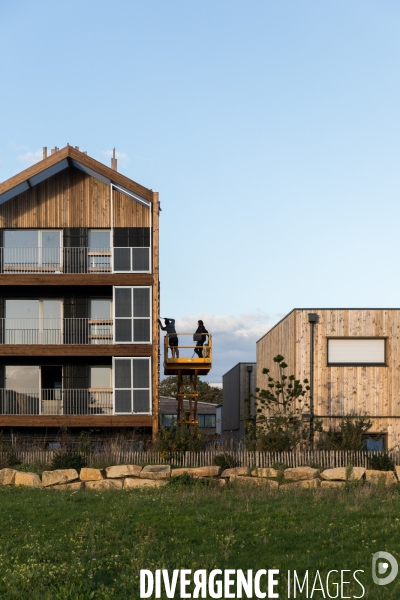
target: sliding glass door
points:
(33, 321)
(32, 250)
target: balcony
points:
(56, 402)
(56, 331)
(74, 260)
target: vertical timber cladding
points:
(340, 390)
(156, 310)
(279, 340)
(72, 198)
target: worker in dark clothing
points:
(200, 339)
(172, 339)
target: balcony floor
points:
(76, 350)
(76, 421)
(76, 279)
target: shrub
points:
(186, 479)
(68, 460)
(349, 436)
(280, 466)
(178, 439)
(381, 462)
(279, 425)
(12, 459)
(226, 461)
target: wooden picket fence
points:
(245, 458)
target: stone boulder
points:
(300, 473)
(243, 480)
(59, 476)
(87, 474)
(7, 476)
(156, 472)
(123, 471)
(197, 472)
(27, 479)
(303, 483)
(236, 471)
(333, 484)
(105, 484)
(264, 472)
(380, 477)
(220, 482)
(339, 474)
(131, 483)
(76, 485)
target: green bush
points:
(226, 461)
(12, 459)
(68, 460)
(178, 439)
(186, 479)
(381, 462)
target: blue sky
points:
(270, 129)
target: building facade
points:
(237, 384)
(351, 357)
(79, 297)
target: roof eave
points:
(75, 155)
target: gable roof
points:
(63, 159)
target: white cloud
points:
(30, 158)
(246, 327)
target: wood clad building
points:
(79, 297)
(356, 363)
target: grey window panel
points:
(123, 330)
(141, 330)
(123, 401)
(141, 373)
(141, 302)
(141, 401)
(140, 259)
(122, 259)
(123, 302)
(123, 377)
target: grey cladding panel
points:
(18, 189)
(91, 172)
(231, 399)
(60, 166)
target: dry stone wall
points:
(126, 477)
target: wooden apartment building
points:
(352, 357)
(79, 296)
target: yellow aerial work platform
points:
(182, 360)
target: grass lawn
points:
(93, 544)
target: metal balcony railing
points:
(194, 351)
(56, 402)
(75, 260)
(56, 331)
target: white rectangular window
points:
(356, 351)
(132, 385)
(132, 314)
